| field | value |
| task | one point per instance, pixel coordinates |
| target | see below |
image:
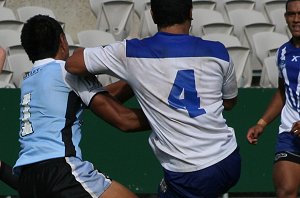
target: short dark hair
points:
(170, 12)
(40, 37)
(287, 2)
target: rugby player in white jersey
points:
(50, 162)
(286, 101)
(183, 84)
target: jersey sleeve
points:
(85, 87)
(230, 89)
(110, 59)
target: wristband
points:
(262, 122)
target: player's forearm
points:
(229, 103)
(119, 116)
(120, 90)
(137, 121)
(274, 108)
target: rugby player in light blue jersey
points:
(50, 162)
(183, 83)
(285, 102)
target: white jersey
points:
(179, 81)
(50, 112)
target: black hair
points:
(40, 37)
(170, 12)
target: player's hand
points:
(254, 132)
(296, 128)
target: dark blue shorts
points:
(210, 182)
(287, 148)
(287, 141)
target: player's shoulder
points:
(215, 48)
(215, 45)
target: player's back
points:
(180, 82)
(49, 127)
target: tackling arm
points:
(113, 112)
(120, 90)
(229, 103)
(75, 63)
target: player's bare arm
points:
(113, 112)
(229, 103)
(120, 90)
(273, 110)
(75, 63)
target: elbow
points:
(75, 63)
(131, 124)
(229, 103)
(70, 68)
(125, 127)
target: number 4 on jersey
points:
(183, 94)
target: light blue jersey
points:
(50, 113)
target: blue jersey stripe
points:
(164, 45)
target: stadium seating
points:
(2, 3)
(269, 74)
(15, 49)
(224, 28)
(243, 69)
(265, 41)
(260, 4)
(19, 64)
(147, 26)
(204, 4)
(6, 76)
(8, 19)
(270, 5)
(238, 4)
(201, 18)
(243, 17)
(116, 17)
(26, 12)
(227, 39)
(6, 85)
(93, 38)
(276, 17)
(140, 6)
(9, 38)
(7, 14)
(95, 6)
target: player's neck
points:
(296, 42)
(183, 28)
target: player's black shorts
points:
(287, 156)
(62, 178)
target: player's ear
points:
(153, 18)
(64, 44)
(191, 14)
